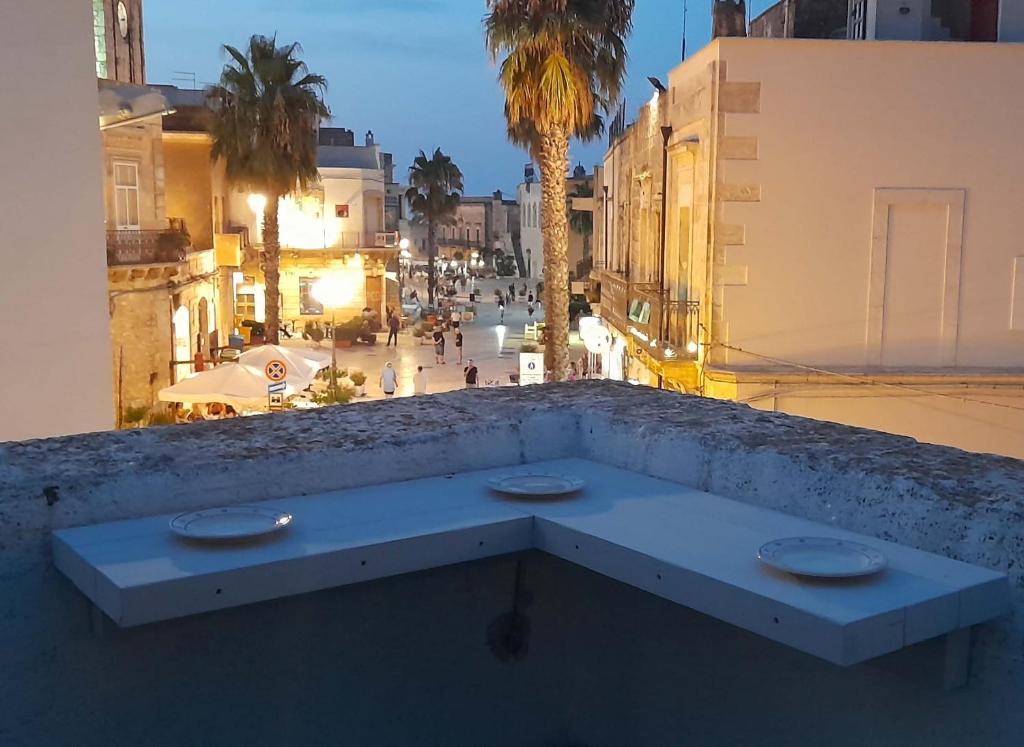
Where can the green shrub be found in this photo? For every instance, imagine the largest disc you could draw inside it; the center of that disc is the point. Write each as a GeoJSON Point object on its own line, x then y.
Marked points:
{"type": "Point", "coordinates": [358, 378]}
{"type": "Point", "coordinates": [161, 418]}
{"type": "Point", "coordinates": [529, 347]}
{"type": "Point", "coordinates": [133, 415]}
{"type": "Point", "coordinates": [343, 397]}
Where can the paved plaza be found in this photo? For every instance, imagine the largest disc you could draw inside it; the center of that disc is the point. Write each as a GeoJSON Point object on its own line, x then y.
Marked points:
{"type": "Point", "coordinates": [480, 343]}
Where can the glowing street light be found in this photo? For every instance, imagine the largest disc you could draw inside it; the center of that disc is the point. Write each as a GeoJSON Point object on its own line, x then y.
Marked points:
{"type": "Point", "coordinates": [403, 244]}
{"type": "Point", "coordinates": [333, 290]}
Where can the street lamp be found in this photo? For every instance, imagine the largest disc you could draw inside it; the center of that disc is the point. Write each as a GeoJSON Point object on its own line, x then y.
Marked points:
{"type": "Point", "coordinates": [333, 290]}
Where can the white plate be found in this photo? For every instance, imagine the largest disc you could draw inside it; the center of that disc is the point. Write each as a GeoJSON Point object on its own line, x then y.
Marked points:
{"type": "Point", "coordinates": [543, 483]}
{"type": "Point", "coordinates": [822, 557]}
{"type": "Point", "coordinates": [230, 523]}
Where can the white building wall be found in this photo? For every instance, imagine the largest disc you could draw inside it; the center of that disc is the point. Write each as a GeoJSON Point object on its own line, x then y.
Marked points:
{"type": "Point", "coordinates": [529, 196]}
{"type": "Point", "coordinates": [1011, 21]}
{"type": "Point", "coordinates": [53, 288]}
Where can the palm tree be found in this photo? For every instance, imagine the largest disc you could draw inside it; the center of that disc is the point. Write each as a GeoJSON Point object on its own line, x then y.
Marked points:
{"type": "Point", "coordinates": [266, 109]}
{"type": "Point", "coordinates": [562, 66]}
{"type": "Point", "coordinates": [434, 194]}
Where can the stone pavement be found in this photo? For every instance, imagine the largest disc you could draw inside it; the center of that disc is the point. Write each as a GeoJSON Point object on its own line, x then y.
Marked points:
{"type": "Point", "coordinates": [480, 344]}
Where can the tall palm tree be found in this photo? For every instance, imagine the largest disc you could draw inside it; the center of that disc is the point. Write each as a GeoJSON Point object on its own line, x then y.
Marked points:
{"type": "Point", "coordinates": [266, 109]}
{"type": "Point", "coordinates": [434, 194]}
{"type": "Point", "coordinates": [562, 66]}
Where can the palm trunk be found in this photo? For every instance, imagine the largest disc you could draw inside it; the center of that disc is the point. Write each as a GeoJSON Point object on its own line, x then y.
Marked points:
{"type": "Point", "coordinates": [554, 162]}
{"type": "Point", "coordinates": [431, 262]}
{"type": "Point", "coordinates": [272, 269]}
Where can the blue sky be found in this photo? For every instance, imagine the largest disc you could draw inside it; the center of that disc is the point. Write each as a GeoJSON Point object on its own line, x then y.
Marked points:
{"type": "Point", "coordinates": [414, 71]}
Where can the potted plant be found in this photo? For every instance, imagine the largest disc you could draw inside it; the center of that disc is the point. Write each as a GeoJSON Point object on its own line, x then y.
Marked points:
{"type": "Point", "coordinates": [347, 333]}
{"type": "Point", "coordinates": [358, 379]}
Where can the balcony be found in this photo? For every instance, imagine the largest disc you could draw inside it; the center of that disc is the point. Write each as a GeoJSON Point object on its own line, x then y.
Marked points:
{"type": "Point", "coordinates": [133, 247]}
{"type": "Point", "coordinates": [667, 330]}
{"type": "Point", "coordinates": [360, 240]}
{"type": "Point", "coordinates": [460, 243]}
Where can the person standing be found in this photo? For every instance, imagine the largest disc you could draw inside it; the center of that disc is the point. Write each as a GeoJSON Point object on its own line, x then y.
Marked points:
{"type": "Point", "coordinates": [501, 310]}
{"type": "Point", "coordinates": [389, 380]}
{"type": "Point", "coordinates": [439, 346]}
{"type": "Point", "coordinates": [393, 326]}
{"type": "Point", "coordinates": [419, 382]}
{"type": "Point", "coordinates": [471, 373]}
{"type": "Point", "coordinates": [458, 344]}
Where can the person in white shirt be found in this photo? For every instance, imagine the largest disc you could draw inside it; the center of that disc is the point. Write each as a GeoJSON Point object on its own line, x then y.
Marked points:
{"type": "Point", "coordinates": [389, 380]}
{"type": "Point", "coordinates": [419, 381]}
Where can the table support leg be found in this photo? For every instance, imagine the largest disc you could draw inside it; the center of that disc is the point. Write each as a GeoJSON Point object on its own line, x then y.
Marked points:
{"type": "Point", "coordinates": [957, 659]}
{"type": "Point", "coordinates": [98, 622]}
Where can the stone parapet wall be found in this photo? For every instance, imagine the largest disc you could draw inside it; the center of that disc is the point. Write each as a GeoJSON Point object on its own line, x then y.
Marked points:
{"type": "Point", "coordinates": [966, 506]}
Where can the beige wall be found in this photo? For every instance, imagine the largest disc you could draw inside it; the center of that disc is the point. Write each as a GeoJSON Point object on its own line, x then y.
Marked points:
{"type": "Point", "coordinates": [189, 185]}
{"type": "Point", "coordinates": [140, 145]}
{"type": "Point", "coordinates": [53, 288]}
{"type": "Point", "coordinates": [880, 222]}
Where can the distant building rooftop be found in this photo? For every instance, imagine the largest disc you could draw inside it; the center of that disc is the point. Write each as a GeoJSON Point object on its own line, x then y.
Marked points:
{"type": "Point", "coordinates": [349, 157]}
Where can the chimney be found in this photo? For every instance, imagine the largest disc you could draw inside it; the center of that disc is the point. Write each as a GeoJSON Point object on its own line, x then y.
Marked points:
{"type": "Point", "coordinates": [728, 18]}
{"type": "Point", "coordinates": [369, 138]}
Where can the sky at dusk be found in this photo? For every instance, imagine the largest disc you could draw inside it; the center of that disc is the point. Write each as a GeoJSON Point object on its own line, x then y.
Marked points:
{"type": "Point", "coordinates": [414, 71]}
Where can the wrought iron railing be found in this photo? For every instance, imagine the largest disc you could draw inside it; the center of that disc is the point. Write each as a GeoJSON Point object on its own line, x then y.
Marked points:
{"type": "Point", "coordinates": [669, 329]}
{"type": "Point", "coordinates": [131, 247]}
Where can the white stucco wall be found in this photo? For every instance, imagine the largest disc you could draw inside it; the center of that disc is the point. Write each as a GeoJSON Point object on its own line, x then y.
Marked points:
{"type": "Point", "coordinates": [839, 121]}
{"type": "Point", "coordinates": [1011, 21]}
{"type": "Point", "coordinates": [53, 288]}
{"type": "Point", "coordinates": [529, 197]}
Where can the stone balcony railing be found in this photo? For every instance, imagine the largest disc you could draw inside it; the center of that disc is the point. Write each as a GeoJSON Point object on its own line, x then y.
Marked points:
{"type": "Point", "coordinates": [336, 662]}
{"type": "Point", "coordinates": [133, 247]}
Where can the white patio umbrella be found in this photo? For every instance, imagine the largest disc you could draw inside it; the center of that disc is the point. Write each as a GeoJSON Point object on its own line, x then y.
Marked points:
{"type": "Point", "coordinates": [236, 384]}
{"type": "Point", "coordinates": [301, 368]}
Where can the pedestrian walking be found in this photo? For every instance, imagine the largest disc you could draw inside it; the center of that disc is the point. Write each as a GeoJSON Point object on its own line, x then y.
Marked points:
{"type": "Point", "coordinates": [529, 310]}
{"type": "Point", "coordinates": [439, 346]}
{"type": "Point", "coordinates": [393, 326]}
{"type": "Point", "coordinates": [573, 374]}
{"type": "Point", "coordinates": [529, 299]}
{"type": "Point", "coordinates": [512, 290]}
{"type": "Point", "coordinates": [389, 380]}
{"type": "Point", "coordinates": [472, 374]}
{"type": "Point", "coordinates": [458, 344]}
{"type": "Point", "coordinates": [419, 382]}
{"type": "Point", "coordinates": [501, 310]}
{"type": "Point", "coordinates": [511, 297]}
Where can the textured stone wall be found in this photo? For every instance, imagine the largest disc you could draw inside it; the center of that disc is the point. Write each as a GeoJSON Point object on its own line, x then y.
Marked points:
{"type": "Point", "coordinates": [406, 660]}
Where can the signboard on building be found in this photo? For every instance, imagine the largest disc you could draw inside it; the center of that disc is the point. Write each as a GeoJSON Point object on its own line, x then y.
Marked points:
{"type": "Point", "coordinates": [531, 368]}
{"type": "Point", "coordinates": [341, 211]}
{"type": "Point", "coordinates": [614, 293]}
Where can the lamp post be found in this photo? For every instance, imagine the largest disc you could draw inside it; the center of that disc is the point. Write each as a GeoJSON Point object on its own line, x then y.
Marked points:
{"type": "Point", "coordinates": [333, 290]}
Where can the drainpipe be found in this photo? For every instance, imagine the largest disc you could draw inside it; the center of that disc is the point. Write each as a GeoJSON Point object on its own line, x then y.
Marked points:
{"type": "Point", "coordinates": [666, 133]}
{"type": "Point", "coordinates": [606, 265]}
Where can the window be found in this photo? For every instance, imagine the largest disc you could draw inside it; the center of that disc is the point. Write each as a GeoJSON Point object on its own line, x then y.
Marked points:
{"type": "Point", "coordinates": [99, 32]}
{"type": "Point", "coordinates": [308, 306]}
{"type": "Point", "coordinates": [245, 303]}
{"type": "Point", "coordinates": [126, 194]}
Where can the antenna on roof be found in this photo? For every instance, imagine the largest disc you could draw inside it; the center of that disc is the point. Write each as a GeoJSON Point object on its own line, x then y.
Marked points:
{"type": "Point", "coordinates": [685, 11]}
{"type": "Point", "coordinates": [184, 76]}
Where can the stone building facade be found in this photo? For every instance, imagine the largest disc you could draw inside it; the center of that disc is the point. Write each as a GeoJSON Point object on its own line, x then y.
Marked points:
{"type": "Point", "coordinates": [816, 260]}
